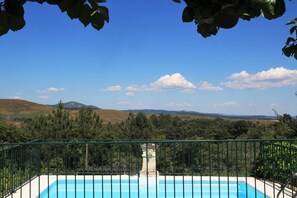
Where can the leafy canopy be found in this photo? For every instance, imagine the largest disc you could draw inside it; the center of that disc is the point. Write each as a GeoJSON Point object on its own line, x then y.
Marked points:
{"type": "Point", "coordinates": [88, 12]}
{"type": "Point", "coordinates": [208, 15]}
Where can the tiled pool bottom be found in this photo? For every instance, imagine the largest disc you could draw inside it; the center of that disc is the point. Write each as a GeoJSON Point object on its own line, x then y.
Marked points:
{"type": "Point", "coordinates": [125, 186]}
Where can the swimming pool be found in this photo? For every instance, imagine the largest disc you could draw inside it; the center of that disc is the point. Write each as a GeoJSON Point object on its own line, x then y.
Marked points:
{"type": "Point", "coordinates": [152, 188]}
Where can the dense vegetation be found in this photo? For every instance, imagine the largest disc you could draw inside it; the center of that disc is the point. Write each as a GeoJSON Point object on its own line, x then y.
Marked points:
{"type": "Point", "coordinates": [271, 160]}
{"type": "Point", "coordinates": [59, 124]}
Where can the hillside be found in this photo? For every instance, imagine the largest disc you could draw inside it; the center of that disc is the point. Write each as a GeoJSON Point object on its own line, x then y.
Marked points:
{"type": "Point", "coordinates": [107, 115]}
{"type": "Point", "coordinates": [193, 114]}
{"type": "Point", "coordinates": [12, 108]}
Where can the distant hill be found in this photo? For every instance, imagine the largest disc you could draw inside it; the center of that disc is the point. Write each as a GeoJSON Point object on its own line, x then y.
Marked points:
{"type": "Point", "coordinates": [12, 108]}
{"type": "Point", "coordinates": [21, 108]}
{"type": "Point", "coordinates": [198, 114]}
{"type": "Point", "coordinates": [72, 105]}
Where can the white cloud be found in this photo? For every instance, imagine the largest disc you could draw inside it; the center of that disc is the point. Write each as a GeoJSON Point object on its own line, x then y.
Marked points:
{"type": "Point", "coordinates": [43, 97]}
{"type": "Point", "coordinates": [53, 89]}
{"type": "Point", "coordinates": [50, 90]}
{"type": "Point", "coordinates": [206, 86]}
{"type": "Point", "coordinates": [134, 88]}
{"type": "Point", "coordinates": [225, 104]}
{"type": "Point", "coordinates": [124, 103]}
{"type": "Point", "coordinates": [130, 94]}
{"type": "Point", "coordinates": [113, 88]}
{"type": "Point", "coordinates": [230, 104]}
{"type": "Point", "coordinates": [173, 105]}
{"type": "Point", "coordinates": [15, 97]}
{"type": "Point", "coordinates": [174, 81]}
{"type": "Point", "coordinates": [274, 77]}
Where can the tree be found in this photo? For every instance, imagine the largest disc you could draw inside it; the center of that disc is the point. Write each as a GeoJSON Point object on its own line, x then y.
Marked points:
{"type": "Point", "coordinates": [285, 127]}
{"type": "Point", "coordinates": [138, 127]}
{"type": "Point", "coordinates": [290, 48]}
{"type": "Point", "coordinates": [239, 128]}
{"type": "Point", "coordinates": [88, 124]}
{"type": "Point", "coordinates": [8, 132]}
{"type": "Point", "coordinates": [208, 15]}
{"type": "Point", "coordinates": [211, 15]}
{"type": "Point", "coordinates": [88, 12]}
{"type": "Point", "coordinates": [55, 125]}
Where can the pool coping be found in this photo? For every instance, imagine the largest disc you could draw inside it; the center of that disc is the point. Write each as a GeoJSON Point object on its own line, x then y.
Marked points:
{"type": "Point", "coordinates": [33, 188]}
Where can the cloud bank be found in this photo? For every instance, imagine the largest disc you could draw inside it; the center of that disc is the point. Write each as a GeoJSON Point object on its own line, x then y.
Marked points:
{"type": "Point", "coordinates": [113, 88]}
{"type": "Point", "coordinates": [206, 86]}
{"type": "Point", "coordinates": [274, 77]}
{"type": "Point", "coordinates": [166, 82]}
{"type": "Point", "coordinates": [50, 90]}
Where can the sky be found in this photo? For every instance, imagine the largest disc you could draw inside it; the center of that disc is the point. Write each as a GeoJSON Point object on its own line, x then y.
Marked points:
{"type": "Point", "coordinates": [147, 58]}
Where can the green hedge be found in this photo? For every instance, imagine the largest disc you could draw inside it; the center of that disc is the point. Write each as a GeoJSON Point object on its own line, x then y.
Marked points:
{"type": "Point", "coordinates": [276, 161]}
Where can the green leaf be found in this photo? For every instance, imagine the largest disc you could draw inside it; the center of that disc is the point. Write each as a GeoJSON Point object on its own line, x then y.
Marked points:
{"type": "Point", "coordinates": [85, 16]}
{"type": "Point", "coordinates": [246, 17]}
{"type": "Point", "coordinates": [292, 22]}
{"type": "Point", "coordinates": [14, 8]}
{"type": "Point", "coordinates": [4, 28]}
{"type": "Point", "coordinates": [289, 40]}
{"type": "Point", "coordinates": [226, 20]}
{"type": "Point", "coordinates": [40, 1]}
{"type": "Point", "coordinates": [97, 21]}
{"type": "Point", "coordinates": [252, 12]}
{"type": "Point", "coordinates": [293, 29]}
{"type": "Point", "coordinates": [272, 9]}
{"type": "Point", "coordinates": [94, 4]}
{"type": "Point", "coordinates": [75, 9]}
{"type": "Point", "coordinates": [207, 30]}
{"type": "Point", "coordinates": [287, 51]}
{"type": "Point", "coordinates": [16, 24]}
{"type": "Point", "coordinates": [188, 14]}
{"type": "Point", "coordinates": [104, 12]}
{"type": "Point", "coordinates": [54, 2]}
{"type": "Point", "coordinates": [65, 5]}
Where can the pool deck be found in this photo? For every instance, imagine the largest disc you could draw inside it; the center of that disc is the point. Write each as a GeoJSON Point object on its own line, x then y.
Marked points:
{"type": "Point", "coordinates": [33, 188]}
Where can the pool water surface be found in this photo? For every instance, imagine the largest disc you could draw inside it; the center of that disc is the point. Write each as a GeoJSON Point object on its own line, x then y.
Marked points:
{"type": "Point", "coordinates": [152, 188]}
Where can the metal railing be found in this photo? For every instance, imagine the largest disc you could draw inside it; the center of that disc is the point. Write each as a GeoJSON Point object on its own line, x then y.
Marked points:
{"type": "Point", "coordinates": [206, 168]}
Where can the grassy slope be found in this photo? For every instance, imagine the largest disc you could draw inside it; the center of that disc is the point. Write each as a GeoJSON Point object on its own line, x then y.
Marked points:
{"type": "Point", "coordinates": [11, 108]}
{"type": "Point", "coordinates": [21, 108]}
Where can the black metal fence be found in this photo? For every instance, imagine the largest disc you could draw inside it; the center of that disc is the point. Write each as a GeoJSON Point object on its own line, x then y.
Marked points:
{"type": "Point", "coordinates": [255, 168]}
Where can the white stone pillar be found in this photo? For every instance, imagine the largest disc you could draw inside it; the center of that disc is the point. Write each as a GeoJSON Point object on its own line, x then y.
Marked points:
{"type": "Point", "coordinates": [148, 160]}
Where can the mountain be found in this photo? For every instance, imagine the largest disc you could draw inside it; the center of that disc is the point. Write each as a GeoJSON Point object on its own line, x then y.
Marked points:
{"type": "Point", "coordinates": [72, 105]}
{"type": "Point", "coordinates": [198, 114]}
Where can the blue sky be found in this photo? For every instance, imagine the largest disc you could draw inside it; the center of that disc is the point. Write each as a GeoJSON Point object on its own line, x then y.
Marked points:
{"type": "Point", "coordinates": [146, 57]}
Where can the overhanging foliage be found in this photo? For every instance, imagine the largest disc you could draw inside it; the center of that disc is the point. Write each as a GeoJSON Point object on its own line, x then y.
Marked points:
{"type": "Point", "coordinates": [88, 12]}
{"type": "Point", "coordinates": [208, 15]}
{"type": "Point", "coordinates": [211, 15]}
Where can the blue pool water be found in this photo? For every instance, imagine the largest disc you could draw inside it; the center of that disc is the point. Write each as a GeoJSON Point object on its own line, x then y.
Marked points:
{"type": "Point", "coordinates": [144, 189]}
